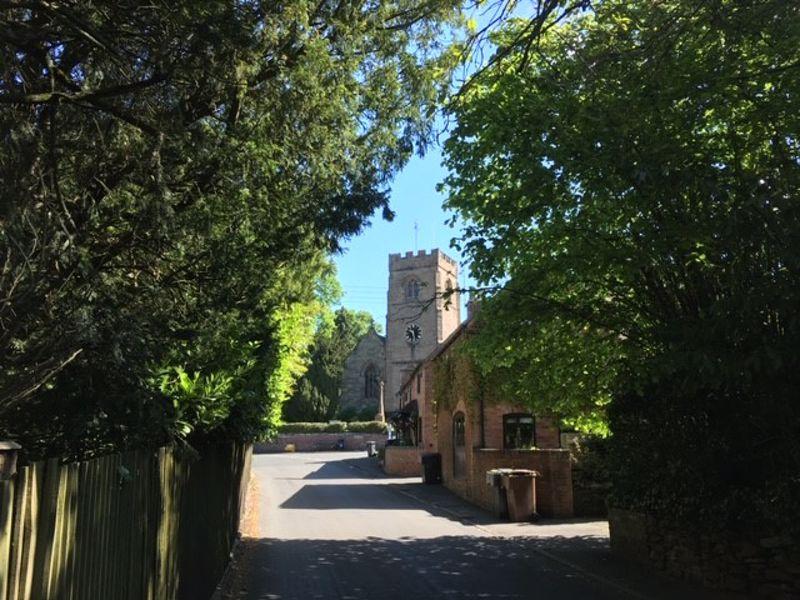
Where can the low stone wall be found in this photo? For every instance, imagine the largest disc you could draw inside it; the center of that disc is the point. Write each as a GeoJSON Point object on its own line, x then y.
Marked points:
{"type": "Point", "coordinates": [402, 461]}
{"type": "Point", "coordinates": [553, 486]}
{"type": "Point", "coordinates": [315, 442]}
{"type": "Point", "coordinates": [768, 567]}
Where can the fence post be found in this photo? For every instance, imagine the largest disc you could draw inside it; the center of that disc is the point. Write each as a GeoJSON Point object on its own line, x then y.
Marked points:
{"type": "Point", "coordinates": [8, 469]}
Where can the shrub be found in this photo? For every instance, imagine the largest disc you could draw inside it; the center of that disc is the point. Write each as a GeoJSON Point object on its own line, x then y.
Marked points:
{"type": "Point", "coordinates": [350, 414]}
{"type": "Point", "coordinates": [334, 427]}
{"type": "Point", "coordinates": [367, 427]}
{"type": "Point", "coordinates": [365, 414]}
{"type": "Point", "coordinates": [347, 414]}
{"type": "Point", "coordinates": [700, 458]}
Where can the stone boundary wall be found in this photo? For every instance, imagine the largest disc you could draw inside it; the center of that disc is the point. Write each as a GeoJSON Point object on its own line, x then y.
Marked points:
{"type": "Point", "coordinates": [553, 486]}
{"type": "Point", "coordinates": [402, 461]}
{"type": "Point", "coordinates": [320, 442]}
{"type": "Point", "coordinates": [761, 568]}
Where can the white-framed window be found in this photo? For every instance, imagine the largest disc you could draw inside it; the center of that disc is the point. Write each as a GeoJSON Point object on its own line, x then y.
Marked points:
{"type": "Point", "coordinates": [519, 431]}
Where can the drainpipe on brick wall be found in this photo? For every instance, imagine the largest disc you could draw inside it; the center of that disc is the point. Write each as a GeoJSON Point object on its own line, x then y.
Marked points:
{"type": "Point", "coordinates": [480, 401]}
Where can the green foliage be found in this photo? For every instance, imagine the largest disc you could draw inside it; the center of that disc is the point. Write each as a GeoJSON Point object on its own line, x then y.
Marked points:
{"type": "Point", "coordinates": [333, 427]}
{"type": "Point", "coordinates": [313, 427]}
{"type": "Point", "coordinates": [366, 427]}
{"type": "Point", "coordinates": [317, 394]}
{"type": "Point", "coordinates": [699, 460]}
{"type": "Point", "coordinates": [295, 330]}
{"type": "Point", "coordinates": [201, 402]}
{"type": "Point", "coordinates": [352, 414]}
{"type": "Point", "coordinates": [174, 176]}
{"type": "Point", "coordinates": [630, 193]}
{"type": "Point", "coordinates": [589, 454]}
{"type": "Point", "coordinates": [444, 374]}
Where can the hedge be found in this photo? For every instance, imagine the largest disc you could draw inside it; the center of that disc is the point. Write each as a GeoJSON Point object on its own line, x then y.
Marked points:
{"type": "Point", "coordinates": [334, 427]}
{"type": "Point", "coordinates": [367, 427]}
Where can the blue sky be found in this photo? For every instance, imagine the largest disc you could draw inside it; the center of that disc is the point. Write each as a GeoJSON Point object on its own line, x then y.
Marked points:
{"type": "Point", "coordinates": [364, 267]}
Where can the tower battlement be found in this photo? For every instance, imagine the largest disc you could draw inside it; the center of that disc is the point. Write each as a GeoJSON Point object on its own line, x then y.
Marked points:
{"type": "Point", "coordinates": [418, 259]}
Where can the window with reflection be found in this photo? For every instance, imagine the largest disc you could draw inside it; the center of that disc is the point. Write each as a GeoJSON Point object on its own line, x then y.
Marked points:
{"type": "Point", "coordinates": [459, 430]}
{"type": "Point", "coordinates": [519, 431]}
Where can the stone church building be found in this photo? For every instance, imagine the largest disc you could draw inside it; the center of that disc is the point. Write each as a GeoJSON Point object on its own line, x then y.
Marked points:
{"type": "Point", "coordinates": [418, 319]}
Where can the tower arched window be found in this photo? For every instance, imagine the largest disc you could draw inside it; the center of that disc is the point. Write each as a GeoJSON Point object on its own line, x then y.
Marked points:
{"type": "Point", "coordinates": [371, 382]}
{"type": "Point", "coordinates": [412, 289]}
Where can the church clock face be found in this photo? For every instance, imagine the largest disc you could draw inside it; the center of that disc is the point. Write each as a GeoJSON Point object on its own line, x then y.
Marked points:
{"type": "Point", "coordinates": [413, 334]}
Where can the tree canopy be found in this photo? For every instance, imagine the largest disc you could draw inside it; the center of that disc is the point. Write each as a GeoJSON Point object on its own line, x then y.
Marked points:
{"type": "Point", "coordinates": [629, 182]}
{"type": "Point", "coordinates": [174, 173]}
{"type": "Point", "coordinates": [316, 396]}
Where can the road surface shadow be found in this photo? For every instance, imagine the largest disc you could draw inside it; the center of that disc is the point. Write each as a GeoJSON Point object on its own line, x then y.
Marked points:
{"type": "Point", "coordinates": [457, 567]}
{"type": "Point", "coordinates": [346, 496]}
{"type": "Point", "coordinates": [434, 499]}
{"type": "Point", "coordinates": [383, 496]}
{"type": "Point", "coordinates": [347, 468]}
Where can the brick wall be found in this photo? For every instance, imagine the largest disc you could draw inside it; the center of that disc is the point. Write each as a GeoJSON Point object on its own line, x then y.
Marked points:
{"type": "Point", "coordinates": [313, 442]}
{"type": "Point", "coordinates": [493, 424]}
{"type": "Point", "coordinates": [402, 461]}
{"type": "Point", "coordinates": [430, 442]}
{"type": "Point", "coordinates": [553, 486]}
{"type": "Point", "coordinates": [548, 435]}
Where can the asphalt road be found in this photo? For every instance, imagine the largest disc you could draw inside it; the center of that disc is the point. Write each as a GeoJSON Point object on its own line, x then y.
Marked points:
{"type": "Point", "coordinates": [330, 526]}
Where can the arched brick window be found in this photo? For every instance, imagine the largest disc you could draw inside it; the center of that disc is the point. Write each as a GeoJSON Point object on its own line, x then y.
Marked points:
{"type": "Point", "coordinates": [371, 382]}
{"type": "Point", "coordinates": [459, 443]}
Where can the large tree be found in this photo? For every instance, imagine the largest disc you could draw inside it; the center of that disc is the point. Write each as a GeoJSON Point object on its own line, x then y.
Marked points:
{"type": "Point", "coordinates": [173, 174]}
{"type": "Point", "coordinates": [316, 397]}
{"type": "Point", "coordinates": [629, 182]}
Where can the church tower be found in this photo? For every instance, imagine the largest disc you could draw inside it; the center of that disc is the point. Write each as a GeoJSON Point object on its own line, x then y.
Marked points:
{"type": "Point", "coordinates": [417, 318]}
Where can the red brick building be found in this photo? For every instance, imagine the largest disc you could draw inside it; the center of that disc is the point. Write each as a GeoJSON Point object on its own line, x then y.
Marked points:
{"type": "Point", "coordinates": [474, 430]}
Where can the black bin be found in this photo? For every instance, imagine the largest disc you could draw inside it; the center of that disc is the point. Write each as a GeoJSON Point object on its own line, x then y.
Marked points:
{"type": "Point", "coordinates": [432, 468]}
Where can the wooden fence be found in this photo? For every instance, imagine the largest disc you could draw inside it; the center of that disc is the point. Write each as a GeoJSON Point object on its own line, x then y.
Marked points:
{"type": "Point", "coordinates": [142, 525]}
